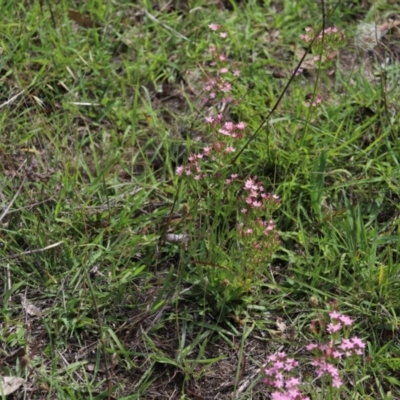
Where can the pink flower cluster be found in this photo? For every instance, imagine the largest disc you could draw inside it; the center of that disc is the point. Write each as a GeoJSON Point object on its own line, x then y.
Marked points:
{"type": "Point", "coordinates": [327, 355]}
{"type": "Point", "coordinates": [276, 371]}
{"type": "Point", "coordinates": [329, 34]}
{"type": "Point", "coordinates": [217, 150]}
{"type": "Point", "coordinates": [315, 103]}
{"type": "Point", "coordinates": [226, 133]}
{"type": "Point", "coordinates": [220, 86]}
{"type": "Point", "coordinates": [326, 358]}
{"type": "Point", "coordinates": [259, 236]}
{"type": "Point", "coordinates": [256, 197]}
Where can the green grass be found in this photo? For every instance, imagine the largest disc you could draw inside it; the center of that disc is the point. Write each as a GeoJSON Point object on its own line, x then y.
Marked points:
{"type": "Point", "coordinates": [96, 115]}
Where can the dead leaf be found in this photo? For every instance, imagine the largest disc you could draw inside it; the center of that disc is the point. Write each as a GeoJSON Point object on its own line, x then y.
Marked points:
{"type": "Point", "coordinates": [193, 394]}
{"type": "Point", "coordinates": [386, 26]}
{"type": "Point", "coordinates": [81, 19]}
{"type": "Point", "coordinates": [311, 61]}
{"type": "Point", "coordinates": [31, 309]}
{"type": "Point", "coordinates": [280, 324]}
{"type": "Point", "coordinates": [9, 384]}
{"type": "Point", "coordinates": [176, 238]}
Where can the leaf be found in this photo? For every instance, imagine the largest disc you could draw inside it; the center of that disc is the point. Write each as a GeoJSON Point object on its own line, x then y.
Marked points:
{"type": "Point", "coordinates": [280, 324]}
{"type": "Point", "coordinates": [311, 62]}
{"type": "Point", "coordinates": [81, 19]}
{"type": "Point", "coordinates": [31, 309]}
{"type": "Point", "coordinates": [9, 384]}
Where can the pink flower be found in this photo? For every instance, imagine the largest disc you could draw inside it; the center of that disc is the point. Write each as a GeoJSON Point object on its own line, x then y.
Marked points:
{"type": "Point", "coordinates": [236, 72]}
{"type": "Point", "coordinates": [290, 364]}
{"type": "Point", "coordinates": [311, 346]}
{"type": "Point", "coordinates": [299, 71]}
{"type": "Point", "coordinates": [346, 320]}
{"type": "Point", "coordinates": [214, 27]}
{"type": "Point", "coordinates": [358, 342]}
{"type": "Point", "coordinates": [227, 87]}
{"type": "Point", "coordinates": [229, 126]}
{"type": "Point", "coordinates": [334, 315]}
{"type": "Point", "coordinates": [241, 125]}
{"type": "Point", "coordinates": [248, 184]}
{"type": "Point", "coordinates": [224, 70]}
{"type": "Point", "coordinates": [223, 35]}
{"type": "Point", "coordinates": [346, 344]}
{"type": "Point", "coordinates": [179, 170]}
{"type": "Point", "coordinates": [230, 149]}
{"type": "Point", "coordinates": [333, 328]}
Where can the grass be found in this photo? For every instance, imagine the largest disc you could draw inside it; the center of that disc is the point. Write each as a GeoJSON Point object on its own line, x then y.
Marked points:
{"type": "Point", "coordinates": [100, 103]}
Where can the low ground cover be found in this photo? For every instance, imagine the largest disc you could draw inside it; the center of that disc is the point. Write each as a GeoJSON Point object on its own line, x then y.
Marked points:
{"type": "Point", "coordinates": [199, 200]}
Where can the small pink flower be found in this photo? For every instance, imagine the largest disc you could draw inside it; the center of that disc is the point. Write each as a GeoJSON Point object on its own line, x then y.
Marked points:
{"type": "Point", "coordinates": [241, 125]}
{"type": "Point", "coordinates": [346, 320]}
{"type": "Point", "coordinates": [230, 149]}
{"type": "Point", "coordinates": [214, 27]}
{"type": "Point", "coordinates": [179, 170]}
{"type": "Point", "coordinates": [229, 126]}
{"type": "Point", "coordinates": [224, 70]}
{"type": "Point", "coordinates": [358, 342]}
{"type": "Point", "coordinates": [224, 132]}
{"type": "Point", "coordinates": [268, 229]}
{"type": "Point", "coordinates": [334, 315]}
{"type": "Point", "coordinates": [346, 344]}
{"type": "Point", "coordinates": [227, 87]}
{"type": "Point", "coordinates": [223, 35]}
{"type": "Point", "coordinates": [333, 328]}
{"type": "Point", "coordinates": [299, 71]}
{"type": "Point", "coordinates": [192, 157]}
{"type": "Point", "coordinates": [236, 72]}
{"type": "Point", "coordinates": [248, 184]}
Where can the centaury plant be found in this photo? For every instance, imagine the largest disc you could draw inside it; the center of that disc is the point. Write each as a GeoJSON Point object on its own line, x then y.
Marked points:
{"type": "Point", "coordinates": [244, 247]}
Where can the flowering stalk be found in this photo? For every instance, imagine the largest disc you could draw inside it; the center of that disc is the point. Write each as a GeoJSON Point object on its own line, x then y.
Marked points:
{"type": "Point", "coordinates": [255, 233]}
